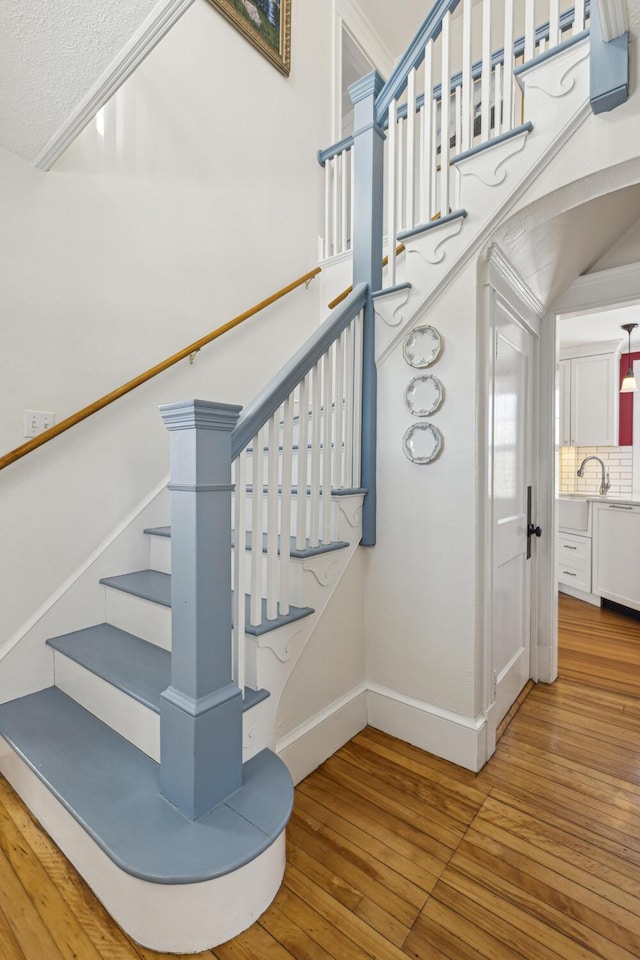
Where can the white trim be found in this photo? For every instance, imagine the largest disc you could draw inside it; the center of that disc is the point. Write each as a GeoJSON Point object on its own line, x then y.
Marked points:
{"type": "Point", "coordinates": [359, 26]}
{"type": "Point", "coordinates": [170, 918]}
{"type": "Point", "coordinates": [59, 592]}
{"type": "Point", "coordinates": [504, 278]}
{"type": "Point", "coordinates": [152, 30]}
{"type": "Point", "coordinates": [441, 732]}
{"type": "Point", "coordinates": [311, 743]}
{"type": "Point", "coordinates": [605, 288]}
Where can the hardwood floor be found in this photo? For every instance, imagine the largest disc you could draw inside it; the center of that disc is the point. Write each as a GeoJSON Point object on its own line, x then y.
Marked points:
{"type": "Point", "coordinates": [393, 853]}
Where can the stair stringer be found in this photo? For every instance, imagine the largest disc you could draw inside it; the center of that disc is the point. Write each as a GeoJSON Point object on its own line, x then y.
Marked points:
{"type": "Point", "coordinates": [489, 184]}
{"type": "Point", "coordinates": [273, 657]}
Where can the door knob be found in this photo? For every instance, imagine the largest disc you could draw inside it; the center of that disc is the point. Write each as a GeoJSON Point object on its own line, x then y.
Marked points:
{"type": "Point", "coordinates": [532, 530]}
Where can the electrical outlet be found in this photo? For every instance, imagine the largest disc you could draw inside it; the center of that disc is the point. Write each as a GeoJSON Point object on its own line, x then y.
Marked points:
{"type": "Point", "coordinates": [37, 421]}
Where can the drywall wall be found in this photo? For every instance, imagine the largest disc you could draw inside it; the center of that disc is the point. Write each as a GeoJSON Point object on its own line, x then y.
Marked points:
{"type": "Point", "coordinates": [420, 592]}
{"type": "Point", "coordinates": [201, 198]}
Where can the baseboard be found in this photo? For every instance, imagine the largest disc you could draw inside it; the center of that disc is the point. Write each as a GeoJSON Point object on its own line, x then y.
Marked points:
{"type": "Point", "coordinates": [314, 741]}
{"type": "Point", "coordinates": [462, 740]}
{"type": "Point", "coordinates": [580, 594]}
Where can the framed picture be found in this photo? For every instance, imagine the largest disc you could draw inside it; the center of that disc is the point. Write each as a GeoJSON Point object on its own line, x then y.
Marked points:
{"type": "Point", "coordinates": [265, 23]}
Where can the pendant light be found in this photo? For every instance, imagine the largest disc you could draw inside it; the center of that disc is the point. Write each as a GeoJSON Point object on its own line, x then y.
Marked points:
{"type": "Point", "coordinates": [629, 384]}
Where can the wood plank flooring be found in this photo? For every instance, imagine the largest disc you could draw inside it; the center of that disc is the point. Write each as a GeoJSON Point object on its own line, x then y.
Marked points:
{"type": "Point", "coordinates": [393, 853]}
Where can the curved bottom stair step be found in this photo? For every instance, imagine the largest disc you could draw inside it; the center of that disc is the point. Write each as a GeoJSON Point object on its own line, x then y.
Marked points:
{"type": "Point", "coordinates": [112, 790]}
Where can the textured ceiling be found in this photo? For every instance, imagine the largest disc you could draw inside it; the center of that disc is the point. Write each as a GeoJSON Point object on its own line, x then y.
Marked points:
{"type": "Point", "coordinates": [52, 52]}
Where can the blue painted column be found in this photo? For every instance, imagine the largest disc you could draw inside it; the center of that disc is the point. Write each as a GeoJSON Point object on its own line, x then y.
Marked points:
{"type": "Point", "coordinates": [609, 66]}
{"type": "Point", "coordinates": [201, 712]}
{"type": "Point", "coordinates": [367, 268]}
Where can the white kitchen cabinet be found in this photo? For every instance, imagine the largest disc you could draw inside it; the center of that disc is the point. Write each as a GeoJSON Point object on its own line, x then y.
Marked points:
{"type": "Point", "coordinates": [616, 552]}
{"type": "Point", "coordinates": [589, 399]}
{"type": "Point", "coordinates": [574, 562]}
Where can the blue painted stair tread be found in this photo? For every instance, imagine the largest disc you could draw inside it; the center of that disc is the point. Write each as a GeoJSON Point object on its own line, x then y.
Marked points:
{"type": "Point", "coordinates": [155, 586]}
{"type": "Point", "coordinates": [299, 554]}
{"type": "Point", "coordinates": [138, 668]}
{"type": "Point", "coordinates": [112, 790]}
{"type": "Point", "coordinates": [129, 663]}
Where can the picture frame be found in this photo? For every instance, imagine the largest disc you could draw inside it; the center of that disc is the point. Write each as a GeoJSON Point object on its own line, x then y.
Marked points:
{"type": "Point", "coordinates": [264, 23]}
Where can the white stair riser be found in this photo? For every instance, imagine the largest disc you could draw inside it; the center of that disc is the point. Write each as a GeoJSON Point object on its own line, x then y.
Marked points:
{"type": "Point", "coordinates": [295, 508]}
{"type": "Point", "coordinates": [131, 719]}
{"type": "Point", "coordinates": [142, 618]}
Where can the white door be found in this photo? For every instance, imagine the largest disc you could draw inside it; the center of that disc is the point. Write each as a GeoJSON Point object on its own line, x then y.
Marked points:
{"type": "Point", "coordinates": [510, 619]}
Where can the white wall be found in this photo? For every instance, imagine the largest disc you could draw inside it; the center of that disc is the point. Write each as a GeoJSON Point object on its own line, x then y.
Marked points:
{"type": "Point", "coordinates": [202, 200]}
{"type": "Point", "coordinates": [420, 587]}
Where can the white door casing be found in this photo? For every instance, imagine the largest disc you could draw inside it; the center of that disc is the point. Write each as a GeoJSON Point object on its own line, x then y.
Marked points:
{"type": "Point", "coordinates": [512, 433]}
{"type": "Point", "coordinates": [508, 400]}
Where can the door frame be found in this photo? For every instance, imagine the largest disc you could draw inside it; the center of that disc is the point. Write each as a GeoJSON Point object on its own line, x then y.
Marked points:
{"type": "Point", "coordinates": [602, 290]}
{"type": "Point", "coordinates": [499, 282]}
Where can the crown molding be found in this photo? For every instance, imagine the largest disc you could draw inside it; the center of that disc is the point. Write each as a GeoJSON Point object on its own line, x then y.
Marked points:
{"type": "Point", "coordinates": [501, 268]}
{"type": "Point", "coordinates": [149, 34]}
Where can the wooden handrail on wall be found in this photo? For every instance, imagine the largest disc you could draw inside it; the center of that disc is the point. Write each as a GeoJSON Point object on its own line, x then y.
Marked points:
{"type": "Point", "coordinates": [345, 293]}
{"type": "Point", "coordinates": [88, 411]}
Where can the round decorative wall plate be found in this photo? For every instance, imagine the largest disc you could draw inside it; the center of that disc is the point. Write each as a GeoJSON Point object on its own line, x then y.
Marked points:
{"type": "Point", "coordinates": [424, 395]}
{"type": "Point", "coordinates": [422, 443]}
{"type": "Point", "coordinates": [422, 346]}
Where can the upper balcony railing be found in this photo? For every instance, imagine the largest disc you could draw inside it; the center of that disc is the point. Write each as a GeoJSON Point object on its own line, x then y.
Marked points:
{"type": "Point", "coordinates": [471, 50]}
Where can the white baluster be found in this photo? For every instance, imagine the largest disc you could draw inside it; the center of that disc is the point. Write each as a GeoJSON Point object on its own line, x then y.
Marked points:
{"type": "Point", "coordinates": [445, 114]}
{"type": "Point", "coordinates": [338, 439]}
{"type": "Point", "coordinates": [273, 461]}
{"type": "Point", "coordinates": [348, 406]}
{"type": "Point", "coordinates": [352, 195]}
{"type": "Point", "coordinates": [529, 30]}
{"type": "Point", "coordinates": [316, 433]}
{"type": "Point", "coordinates": [335, 215]}
{"type": "Point", "coordinates": [285, 504]}
{"type": "Point", "coordinates": [240, 526]}
{"type": "Point", "coordinates": [357, 400]}
{"type": "Point", "coordinates": [485, 111]}
{"type": "Point", "coordinates": [554, 23]}
{"type": "Point", "coordinates": [457, 100]}
{"type": "Point", "coordinates": [327, 209]}
{"type": "Point", "coordinates": [578, 17]}
{"type": "Point", "coordinates": [344, 201]}
{"type": "Point", "coordinates": [401, 173]}
{"type": "Point", "coordinates": [507, 100]}
{"type": "Point", "coordinates": [434, 158]}
{"type": "Point", "coordinates": [391, 193]}
{"type": "Point", "coordinates": [303, 453]}
{"type": "Point", "coordinates": [497, 98]}
{"type": "Point", "coordinates": [411, 150]}
{"type": "Point", "coordinates": [257, 468]}
{"type": "Point", "coordinates": [328, 394]}
{"type": "Point", "coordinates": [426, 161]}
{"type": "Point", "coordinates": [467, 78]}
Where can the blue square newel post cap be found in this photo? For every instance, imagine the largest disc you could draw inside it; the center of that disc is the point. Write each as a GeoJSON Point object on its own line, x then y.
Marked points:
{"type": "Point", "coordinates": [201, 711]}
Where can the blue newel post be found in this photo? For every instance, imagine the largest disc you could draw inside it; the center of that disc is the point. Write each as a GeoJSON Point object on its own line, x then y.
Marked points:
{"type": "Point", "coordinates": [201, 712]}
{"type": "Point", "coordinates": [367, 268]}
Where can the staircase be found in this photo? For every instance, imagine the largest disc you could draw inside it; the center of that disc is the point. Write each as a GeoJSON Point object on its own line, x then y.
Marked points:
{"type": "Point", "coordinates": [157, 740]}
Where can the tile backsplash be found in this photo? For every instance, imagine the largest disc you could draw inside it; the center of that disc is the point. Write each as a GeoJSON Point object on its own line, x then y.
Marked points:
{"type": "Point", "coordinates": [618, 460]}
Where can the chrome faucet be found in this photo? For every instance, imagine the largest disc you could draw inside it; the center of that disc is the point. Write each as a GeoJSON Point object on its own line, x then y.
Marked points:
{"type": "Point", "coordinates": [604, 486]}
